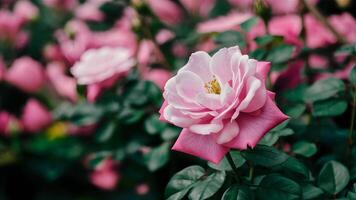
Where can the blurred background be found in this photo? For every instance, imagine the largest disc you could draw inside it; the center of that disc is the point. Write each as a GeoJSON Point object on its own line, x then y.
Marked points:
{"type": "Point", "coordinates": [104, 140]}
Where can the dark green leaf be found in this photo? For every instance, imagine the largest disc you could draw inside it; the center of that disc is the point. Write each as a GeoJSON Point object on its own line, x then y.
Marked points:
{"type": "Point", "coordinates": [230, 38]}
{"type": "Point", "coordinates": [207, 187]}
{"type": "Point", "coordinates": [295, 111]}
{"type": "Point", "coordinates": [183, 181]}
{"type": "Point", "coordinates": [265, 156]}
{"type": "Point", "coordinates": [304, 148]}
{"type": "Point", "coordinates": [347, 49]}
{"type": "Point", "coordinates": [323, 89]}
{"type": "Point", "coordinates": [224, 164]}
{"type": "Point", "coordinates": [352, 76]}
{"type": "Point", "coordinates": [237, 193]}
{"type": "Point", "coordinates": [330, 107]}
{"type": "Point", "coordinates": [157, 157]}
{"type": "Point", "coordinates": [153, 125]}
{"type": "Point", "coordinates": [333, 177]}
{"type": "Point", "coordinates": [281, 53]}
{"type": "Point", "coordinates": [105, 132]}
{"type": "Point", "coordinates": [311, 192]}
{"type": "Point", "coordinates": [294, 165]}
{"type": "Point", "coordinates": [277, 187]}
{"type": "Point", "coordinates": [248, 24]}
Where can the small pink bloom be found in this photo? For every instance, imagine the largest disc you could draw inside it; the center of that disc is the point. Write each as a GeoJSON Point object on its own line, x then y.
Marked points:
{"type": "Point", "coordinates": [35, 116]}
{"type": "Point", "coordinates": [224, 23]}
{"type": "Point", "coordinates": [142, 189]}
{"type": "Point", "coordinates": [105, 176]}
{"type": "Point", "coordinates": [10, 25]}
{"type": "Point", "coordinates": [318, 62]}
{"type": "Point", "coordinates": [179, 50]}
{"type": "Point", "coordinates": [166, 10]}
{"type": "Point", "coordinates": [342, 24]}
{"type": "Point", "coordinates": [198, 7]}
{"type": "Point", "coordinates": [97, 65]}
{"type": "Point", "coordinates": [289, 26]}
{"type": "Point", "coordinates": [90, 11]}
{"type": "Point", "coordinates": [158, 76]}
{"type": "Point", "coordinates": [8, 124]}
{"type": "Point", "coordinates": [283, 7]}
{"type": "Point", "coordinates": [26, 74]}
{"type": "Point", "coordinates": [221, 102]}
{"type": "Point", "coordinates": [74, 40]}
{"type": "Point", "coordinates": [64, 85]}
{"type": "Point", "coordinates": [145, 55]}
{"type": "Point", "coordinates": [52, 52]}
{"type": "Point", "coordinates": [26, 10]}
{"type": "Point", "coordinates": [164, 35]}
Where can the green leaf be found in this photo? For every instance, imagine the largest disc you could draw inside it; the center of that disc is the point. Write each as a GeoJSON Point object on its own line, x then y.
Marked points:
{"type": "Point", "coordinates": [157, 157]}
{"type": "Point", "coordinates": [311, 192]}
{"type": "Point", "coordinates": [304, 148]}
{"type": "Point", "coordinates": [296, 110]}
{"type": "Point", "coordinates": [265, 156]}
{"type": "Point", "coordinates": [333, 177]}
{"type": "Point", "coordinates": [347, 49]}
{"type": "Point", "coordinates": [153, 125]}
{"type": "Point", "coordinates": [272, 136]}
{"type": "Point", "coordinates": [352, 76]}
{"type": "Point", "coordinates": [258, 54]}
{"type": "Point", "coordinates": [330, 107]}
{"type": "Point", "coordinates": [183, 181]}
{"type": "Point", "coordinates": [170, 133]}
{"type": "Point", "coordinates": [276, 187]}
{"type": "Point", "coordinates": [207, 187]}
{"type": "Point", "coordinates": [236, 192]}
{"type": "Point", "coordinates": [105, 132]}
{"type": "Point", "coordinates": [224, 164]}
{"type": "Point", "coordinates": [248, 24]}
{"type": "Point", "coordinates": [281, 53]}
{"type": "Point", "coordinates": [294, 165]}
{"type": "Point", "coordinates": [230, 38]}
{"type": "Point", "coordinates": [323, 89]}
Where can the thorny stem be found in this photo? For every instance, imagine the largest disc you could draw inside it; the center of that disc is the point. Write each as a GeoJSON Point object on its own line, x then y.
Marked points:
{"type": "Point", "coordinates": [251, 170]}
{"type": "Point", "coordinates": [233, 167]}
{"type": "Point", "coordinates": [323, 20]}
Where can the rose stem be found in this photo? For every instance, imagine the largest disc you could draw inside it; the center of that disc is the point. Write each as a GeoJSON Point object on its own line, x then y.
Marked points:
{"type": "Point", "coordinates": [324, 21]}
{"type": "Point", "coordinates": [233, 166]}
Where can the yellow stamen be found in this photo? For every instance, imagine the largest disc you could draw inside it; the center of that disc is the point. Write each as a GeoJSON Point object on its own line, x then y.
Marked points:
{"type": "Point", "coordinates": [213, 87]}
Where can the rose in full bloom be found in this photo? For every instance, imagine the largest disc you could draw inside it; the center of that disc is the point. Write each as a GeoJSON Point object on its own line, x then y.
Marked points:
{"type": "Point", "coordinates": [97, 65]}
{"type": "Point", "coordinates": [221, 102]}
{"type": "Point", "coordinates": [35, 116]}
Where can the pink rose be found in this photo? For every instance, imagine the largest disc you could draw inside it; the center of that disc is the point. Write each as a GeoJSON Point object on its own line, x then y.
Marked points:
{"type": "Point", "coordinates": [167, 11]}
{"type": "Point", "coordinates": [52, 52]}
{"type": "Point", "coordinates": [198, 7]}
{"type": "Point", "coordinates": [97, 65]}
{"type": "Point", "coordinates": [342, 24]}
{"type": "Point", "coordinates": [164, 35]}
{"type": "Point", "coordinates": [8, 124]}
{"type": "Point", "coordinates": [26, 74]}
{"type": "Point", "coordinates": [35, 116]}
{"type": "Point", "coordinates": [158, 76]}
{"type": "Point", "coordinates": [289, 26]}
{"type": "Point", "coordinates": [221, 102]}
{"type": "Point", "coordinates": [283, 7]}
{"type": "Point", "coordinates": [105, 176]}
{"type": "Point", "coordinates": [26, 10]}
{"type": "Point", "coordinates": [90, 11]}
{"type": "Point", "coordinates": [10, 25]}
{"type": "Point", "coordinates": [74, 40]}
{"type": "Point", "coordinates": [64, 85]}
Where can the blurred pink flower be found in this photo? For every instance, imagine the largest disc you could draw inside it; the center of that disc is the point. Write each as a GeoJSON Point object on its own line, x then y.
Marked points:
{"type": "Point", "coordinates": [104, 176]}
{"type": "Point", "coordinates": [26, 74]}
{"type": "Point", "coordinates": [164, 35]}
{"type": "Point", "coordinates": [35, 116]}
{"type": "Point", "coordinates": [145, 55]}
{"type": "Point", "coordinates": [26, 10]}
{"type": "Point", "coordinates": [288, 78]}
{"type": "Point", "coordinates": [288, 26]}
{"type": "Point", "coordinates": [8, 124]}
{"type": "Point", "coordinates": [198, 7]}
{"type": "Point", "coordinates": [221, 102]}
{"type": "Point", "coordinates": [158, 76]}
{"type": "Point", "coordinates": [10, 25]}
{"type": "Point", "coordinates": [74, 40]}
{"type": "Point", "coordinates": [64, 85]}
{"type": "Point", "coordinates": [52, 52]}
{"type": "Point", "coordinates": [97, 65]}
{"type": "Point", "coordinates": [283, 7]}
{"type": "Point", "coordinates": [231, 21]}
{"type": "Point", "coordinates": [2, 68]}
{"type": "Point", "coordinates": [166, 10]}
{"type": "Point", "coordinates": [90, 11]}
{"type": "Point", "coordinates": [142, 189]}
{"type": "Point", "coordinates": [179, 50]}
{"type": "Point", "coordinates": [318, 61]}
{"type": "Point", "coordinates": [61, 4]}
{"type": "Point", "coordinates": [343, 24]}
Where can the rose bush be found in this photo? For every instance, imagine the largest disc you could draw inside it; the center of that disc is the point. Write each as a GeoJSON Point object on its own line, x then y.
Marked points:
{"type": "Point", "coordinates": [177, 99]}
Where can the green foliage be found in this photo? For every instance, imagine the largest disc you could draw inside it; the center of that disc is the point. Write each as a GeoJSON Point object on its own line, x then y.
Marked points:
{"type": "Point", "coordinates": [333, 177]}
{"type": "Point", "coordinates": [324, 89]}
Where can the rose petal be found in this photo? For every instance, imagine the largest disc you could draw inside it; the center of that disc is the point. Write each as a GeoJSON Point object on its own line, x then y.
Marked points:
{"type": "Point", "coordinates": [253, 128]}
{"type": "Point", "coordinates": [229, 132]}
{"type": "Point", "coordinates": [206, 129]}
{"type": "Point", "coordinates": [189, 85]}
{"type": "Point", "coordinates": [203, 146]}
{"type": "Point", "coordinates": [199, 63]}
{"type": "Point", "coordinates": [263, 69]}
{"type": "Point", "coordinates": [177, 118]}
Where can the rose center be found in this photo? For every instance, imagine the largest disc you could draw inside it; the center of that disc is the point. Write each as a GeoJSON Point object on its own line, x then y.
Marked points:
{"type": "Point", "coordinates": [213, 87]}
